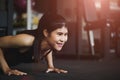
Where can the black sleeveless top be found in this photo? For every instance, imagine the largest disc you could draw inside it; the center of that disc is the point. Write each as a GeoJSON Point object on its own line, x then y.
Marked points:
{"type": "Point", "coordinates": [13, 55]}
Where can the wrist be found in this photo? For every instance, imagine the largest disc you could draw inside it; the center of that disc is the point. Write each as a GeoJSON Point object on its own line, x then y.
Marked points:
{"type": "Point", "coordinates": [50, 66]}
{"type": "Point", "coordinates": [6, 70]}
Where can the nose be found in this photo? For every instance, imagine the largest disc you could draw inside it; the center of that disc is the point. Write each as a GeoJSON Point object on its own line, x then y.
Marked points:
{"type": "Point", "coordinates": [63, 38]}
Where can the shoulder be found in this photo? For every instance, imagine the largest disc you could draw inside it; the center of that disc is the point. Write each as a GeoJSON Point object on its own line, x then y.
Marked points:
{"type": "Point", "coordinates": [23, 35]}
{"type": "Point", "coordinates": [17, 40]}
{"type": "Point", "coordinates": [26, 39]}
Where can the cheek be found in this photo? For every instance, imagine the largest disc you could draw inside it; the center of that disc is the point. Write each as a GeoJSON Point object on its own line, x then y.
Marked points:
{"type": "Point", "coordinates": [52, 40]}
{"type": "Point", "coordinates": [55, 37]}
{"type": "Point", "coordinates": [66, 38]}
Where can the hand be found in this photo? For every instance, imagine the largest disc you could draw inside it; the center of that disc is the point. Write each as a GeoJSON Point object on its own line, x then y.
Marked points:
{"type": "Point", "coordinates": [56, 70]}
{"type": "Point", "coordinates": [15, 72]}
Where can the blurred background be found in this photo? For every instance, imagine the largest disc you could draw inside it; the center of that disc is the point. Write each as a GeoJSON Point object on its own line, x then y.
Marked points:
{"type": "Point", "coordinates": [93, 24]}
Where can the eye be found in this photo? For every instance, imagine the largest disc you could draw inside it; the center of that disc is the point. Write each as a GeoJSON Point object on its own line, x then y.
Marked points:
{"type": "Point", "coordinates": [59, 33]}
{"type": "Point", "coordinates": [66, 34]}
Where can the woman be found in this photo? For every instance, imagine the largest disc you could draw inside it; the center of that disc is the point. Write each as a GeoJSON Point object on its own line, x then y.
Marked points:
{"type": "Point", "coordinates": [34, 45]}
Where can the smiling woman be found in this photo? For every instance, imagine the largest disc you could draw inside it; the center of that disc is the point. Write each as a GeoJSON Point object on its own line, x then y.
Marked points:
{"type": "Point", "coordinates": [58, 38]}
{"type": "Point", "coordinates": [34, 45]}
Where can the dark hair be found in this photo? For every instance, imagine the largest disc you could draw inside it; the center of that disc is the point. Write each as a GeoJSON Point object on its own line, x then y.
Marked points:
{"type": "Point", "coordinates": [51, 22]}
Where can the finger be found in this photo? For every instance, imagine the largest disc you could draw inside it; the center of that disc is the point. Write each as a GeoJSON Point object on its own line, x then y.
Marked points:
{"type": "Point", "coordinates": [23, 73]}
{"type": "Point", "coordinates": [16, 72]}
{"type": "Point", "coordinates": [57, 70]}
{"type": "Point", "coordinates": [49, 70]}
{"type": "Point", "coordinates": [63, 71]}
{"type": "Point", "coordinates": [9, 73]}
{"type": "Point", "coordinates": [20, 72]}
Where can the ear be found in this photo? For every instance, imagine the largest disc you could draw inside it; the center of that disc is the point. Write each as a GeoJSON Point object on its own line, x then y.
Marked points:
{"type": "Point", "coordinates": [45, 32]}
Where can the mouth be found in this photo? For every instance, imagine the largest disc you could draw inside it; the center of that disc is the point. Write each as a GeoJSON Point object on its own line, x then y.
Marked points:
{"type": "Point", "coordinates": [60, 45]}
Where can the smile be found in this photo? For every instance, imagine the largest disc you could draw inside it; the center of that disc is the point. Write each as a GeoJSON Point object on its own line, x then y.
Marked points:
{"type": "Point", "coordinates": [60, 44]}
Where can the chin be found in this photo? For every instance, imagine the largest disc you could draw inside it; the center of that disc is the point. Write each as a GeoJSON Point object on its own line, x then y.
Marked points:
{"type": "Point", "coordinates": [59, 49]}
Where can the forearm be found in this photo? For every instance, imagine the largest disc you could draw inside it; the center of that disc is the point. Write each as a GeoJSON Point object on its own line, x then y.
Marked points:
{"type": "Point", "coordinates": [3, 62]}
{"type": "Point", "coordinates": [51, 67]}
{"type": "Point", "coordinates": [21, 40]}
{"type": "Point", "coordinates": [50, 60]}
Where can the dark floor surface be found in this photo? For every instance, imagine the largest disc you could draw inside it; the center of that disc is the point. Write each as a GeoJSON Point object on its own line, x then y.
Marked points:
{"type": "Point", "coordinates": [107, 68]}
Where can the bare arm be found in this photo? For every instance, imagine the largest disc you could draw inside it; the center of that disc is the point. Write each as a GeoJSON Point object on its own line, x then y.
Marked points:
{"type": "Point", "coordinates": [3, 62]}
{"type": "Point", "coordinates": [50, 60]}
{"type": "Point", "coordinates": [6, 69]}
{"type": "Point", "coordinates": [20, 40]}
{"type": "Point", "coordinates": [51, 67]}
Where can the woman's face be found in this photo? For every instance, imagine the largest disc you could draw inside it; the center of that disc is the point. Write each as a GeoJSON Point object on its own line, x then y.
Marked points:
{"type": "Point", "coordinates": [57, 38]}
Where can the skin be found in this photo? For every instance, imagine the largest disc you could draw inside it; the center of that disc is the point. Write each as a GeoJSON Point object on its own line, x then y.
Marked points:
{"type": "Point", "coordinates": [56, 39]}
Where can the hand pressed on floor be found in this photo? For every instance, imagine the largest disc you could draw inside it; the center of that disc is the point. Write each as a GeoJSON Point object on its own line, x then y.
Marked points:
{"type": "Point", "coordinates": [15, 72]}
{"type": "Point", "coordinates": [56, 70]}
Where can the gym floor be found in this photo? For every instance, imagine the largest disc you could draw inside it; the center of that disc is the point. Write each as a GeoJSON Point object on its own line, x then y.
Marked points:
{"type": "Point", "coordinates": [107, 68]}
